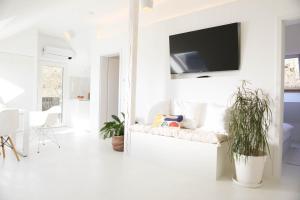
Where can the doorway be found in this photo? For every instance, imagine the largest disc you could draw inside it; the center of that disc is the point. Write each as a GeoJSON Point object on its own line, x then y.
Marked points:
{"type": "Point", "coordinates": [109, 90]}
{"type": "Point", "coordinates": [291, 114]}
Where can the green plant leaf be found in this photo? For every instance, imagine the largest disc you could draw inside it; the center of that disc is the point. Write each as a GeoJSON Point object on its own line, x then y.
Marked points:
{"type": "Point", "coordinates": [250, 118]}
{"type": "Point", "coordinates": [116, 118]}
{"type": "Point", "coordinates": [113, 128]}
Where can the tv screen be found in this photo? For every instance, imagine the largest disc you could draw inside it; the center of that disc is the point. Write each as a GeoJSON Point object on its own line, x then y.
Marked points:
{"type": "Point", "coordinates": [207, 50]}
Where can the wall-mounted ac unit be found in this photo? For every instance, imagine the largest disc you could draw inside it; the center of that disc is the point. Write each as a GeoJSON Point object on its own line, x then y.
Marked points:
{"type": "Point", "coordinates": [57, 53]}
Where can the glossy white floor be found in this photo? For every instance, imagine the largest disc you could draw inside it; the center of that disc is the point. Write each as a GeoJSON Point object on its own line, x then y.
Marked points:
{"type": "Point", "coordinates": [86, 168]}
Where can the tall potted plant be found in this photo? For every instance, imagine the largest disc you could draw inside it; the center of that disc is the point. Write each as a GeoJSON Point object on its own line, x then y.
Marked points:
{"type": "Point", "coordinates": [115, 129]}
{"type": "Point", "coordinates": [250, 118]}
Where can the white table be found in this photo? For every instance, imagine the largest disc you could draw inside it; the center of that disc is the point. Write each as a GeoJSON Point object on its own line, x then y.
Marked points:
{"type": "Point", "coordinates": [25, 130]}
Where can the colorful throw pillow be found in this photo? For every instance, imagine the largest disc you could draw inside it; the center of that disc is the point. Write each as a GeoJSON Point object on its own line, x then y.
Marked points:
{"type": "Point", "coordinates": [173, 118]}
{"type": "Point", "coordinates": [158, 120]}
{"type": "Point", "coordinates": [167, 121]}
{"type": "Point", "coordinates": [171, 124]}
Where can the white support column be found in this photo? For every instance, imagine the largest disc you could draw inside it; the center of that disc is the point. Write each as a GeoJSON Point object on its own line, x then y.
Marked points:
{"type": "Point", "coordinates": [133, 46]}
{"type": "Point", "coordinates": [132, 68]}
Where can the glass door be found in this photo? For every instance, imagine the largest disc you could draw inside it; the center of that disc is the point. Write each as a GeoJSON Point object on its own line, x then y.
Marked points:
{"type": "Point", "coordinates": [52, 90]}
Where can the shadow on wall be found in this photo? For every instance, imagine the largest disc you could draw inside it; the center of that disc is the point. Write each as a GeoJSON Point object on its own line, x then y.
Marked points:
{"type": "Point", "coordinates": [9, 91]}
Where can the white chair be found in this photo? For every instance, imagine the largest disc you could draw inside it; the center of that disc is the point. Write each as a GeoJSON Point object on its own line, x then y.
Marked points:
{"type": "Point", "coordinates": [9, 124]}
{"type": "Point", "coordinates": [44, 122]}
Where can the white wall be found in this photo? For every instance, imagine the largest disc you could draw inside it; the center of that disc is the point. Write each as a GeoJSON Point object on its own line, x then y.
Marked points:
{"type": "Point", "coordinates": [23, 43]}
{"type": "Point", "coordinates": [292, 38]}
{"type": "Point", "coordinates": [73, 110]}
{"type": "Point", "coordinates": [259, 56]}
{"type": "Point", "coordinates": [260, 47]}
{"type": "Point", "coordinates": [80, 63]}
{"type": "Point", "coordinates": [79, 86]}
{"type": "Point", "coordinates": [79, 110]}
{"type": "Point", "coordinates": [18, 67]}
{"type": "Point", "coordinates": [20, 61]}
{"type": "Point", "coordinates": [107, 46]}
{"type": "Point", "coordinates": [47, 40]}
{"type": "Point", "coordinates": [19, 71]}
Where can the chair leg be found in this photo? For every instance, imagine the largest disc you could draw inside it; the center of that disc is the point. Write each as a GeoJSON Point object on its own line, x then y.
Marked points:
{"type": "Point", "coordinates": [13, 148]}
{"type": "Point", "coordinates": [55, 140]}
{"type": "Point", "coordinates": [2, 145]}
{"type": "Point", "coordinates": [39, 139]}
{"type": "Point", "coordinates": [44, 137]}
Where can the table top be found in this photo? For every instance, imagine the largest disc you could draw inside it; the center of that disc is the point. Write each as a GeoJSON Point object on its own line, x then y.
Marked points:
{"type": "Point", "coordinates": [21, 111]}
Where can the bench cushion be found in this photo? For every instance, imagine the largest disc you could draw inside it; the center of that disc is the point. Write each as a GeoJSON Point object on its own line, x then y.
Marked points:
{"type": "Point", "coordinates": [198, 135]}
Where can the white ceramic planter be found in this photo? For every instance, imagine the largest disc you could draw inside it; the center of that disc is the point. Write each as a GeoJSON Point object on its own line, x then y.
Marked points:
{"type": "Point", "coordinates": [249, 172]}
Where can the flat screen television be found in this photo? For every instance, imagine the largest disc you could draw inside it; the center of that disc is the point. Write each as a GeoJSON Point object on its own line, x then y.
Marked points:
{"type": "Point", "coordinates": [206, 50]}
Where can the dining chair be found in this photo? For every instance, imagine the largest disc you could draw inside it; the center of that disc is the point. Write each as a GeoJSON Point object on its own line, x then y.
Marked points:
{"type": "Point", "coordinates": [9, 124]}
{"type": "Point", "coordinates": [44, 122]}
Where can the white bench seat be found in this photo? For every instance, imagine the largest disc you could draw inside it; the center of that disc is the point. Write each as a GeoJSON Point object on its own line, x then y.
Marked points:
{"type": "Point", "coordinates": [197, 135]}
{"type": "Point", "coordinates": [188, 151]}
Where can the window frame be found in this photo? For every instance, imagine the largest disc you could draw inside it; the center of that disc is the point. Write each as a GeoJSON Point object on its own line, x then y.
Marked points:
{"type": "Point", "coordinates": [290, 57]}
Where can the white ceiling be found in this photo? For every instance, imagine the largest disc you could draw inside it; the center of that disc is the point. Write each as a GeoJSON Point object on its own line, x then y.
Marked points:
{"type": "Point", "coordinates": [54, 17]}
{"type": "Point", "coordinates": [80, 17]}
{"type": "Point", "coordinates": [166, 9]}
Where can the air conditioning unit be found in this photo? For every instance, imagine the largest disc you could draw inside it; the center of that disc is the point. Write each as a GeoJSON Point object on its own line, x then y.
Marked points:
{"type": "Point", "coordinates": [57, 53]}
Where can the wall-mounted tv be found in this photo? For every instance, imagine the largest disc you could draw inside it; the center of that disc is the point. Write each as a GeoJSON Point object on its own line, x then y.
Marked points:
{"type": "Point", "coordinates": [206, 50]}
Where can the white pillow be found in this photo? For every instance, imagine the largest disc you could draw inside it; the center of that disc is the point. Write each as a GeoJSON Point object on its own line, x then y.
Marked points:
{"type": "Point", "coordinates": [162, 107]}
{"type": "Point", "coordinates": [215, 119]}
{"type": "Point", "coordinates": [190, 111]}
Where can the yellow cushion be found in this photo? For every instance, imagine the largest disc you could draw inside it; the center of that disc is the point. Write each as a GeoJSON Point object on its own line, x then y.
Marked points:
{"type": "Point", "coordinates": [158, 120]}
{"type": "Point", "coordinates": [167, 121]}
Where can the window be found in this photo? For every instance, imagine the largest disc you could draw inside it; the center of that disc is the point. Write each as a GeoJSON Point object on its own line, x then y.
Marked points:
{"type": "Point", "coordinates": [52, 89]}
{"type": "Point", "coordinates": [291, 73]}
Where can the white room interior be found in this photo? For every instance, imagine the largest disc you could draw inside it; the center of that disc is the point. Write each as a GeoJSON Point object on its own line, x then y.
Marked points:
{"type": "Point", "coordinates": [99, 82]}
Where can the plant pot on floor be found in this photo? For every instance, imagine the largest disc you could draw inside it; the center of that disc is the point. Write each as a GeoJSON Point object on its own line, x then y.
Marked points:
{"type": "Point", "coordinates": [118, 143]}
{"type": "Point", "coordinates": [249, 170]}
{"type": "Point", "coordinates": [115, 129]}
{"type": "Point", "coordinates": [250, 118]}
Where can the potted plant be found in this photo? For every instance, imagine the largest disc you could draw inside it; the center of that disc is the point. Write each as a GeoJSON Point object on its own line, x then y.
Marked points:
{"type": "Point", "coordinates": [115, 130]}
{"type": "Point", "coordinates": [250, 118]}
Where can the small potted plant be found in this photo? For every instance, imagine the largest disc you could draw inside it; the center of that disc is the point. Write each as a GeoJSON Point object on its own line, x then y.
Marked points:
{"type": "Point", "coordinates": [250, 118]}
{"type": "Point", "coordinates": [115, 130]}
